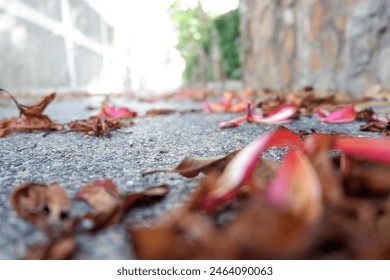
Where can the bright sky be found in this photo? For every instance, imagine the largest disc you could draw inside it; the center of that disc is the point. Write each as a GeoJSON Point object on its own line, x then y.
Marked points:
{"type": "Point", "coordinates": [146, 26]}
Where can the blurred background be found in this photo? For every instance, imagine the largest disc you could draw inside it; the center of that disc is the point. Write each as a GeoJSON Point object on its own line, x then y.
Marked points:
{"type": "Point", "coordinates": [157, 46]}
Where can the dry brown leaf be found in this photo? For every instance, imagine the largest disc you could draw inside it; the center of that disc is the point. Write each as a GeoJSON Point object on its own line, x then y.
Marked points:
{"type": "Point", "coordinates": [96, 126]}
{"type": "Point", "coordinates": [329, 178]}
{"type": "Point", "coordinates": [382, 127]}
{"type": "Point", "coordinates": [32, 120]}
{"type": "Point", "coordinates": [109, 207]}
{"type": "Point", "coordinates": [365, 178]}
{"type": "Point", "coordinates": [365, 115]}
{"type": "Point", "coordinates": [183, 235]}
{"type": "Point", "coordinates": [191, 167]}
{"type": "Point", "coordinates": [35, 111]}
{"type": "Point", "coordinates": [258, 232]}
{"type": "Point", "coordinates": [270, 105]}
{"type": "Point", "coordinates": [46, 206]}
{"type": "Point", "coordinates": [155, 112]}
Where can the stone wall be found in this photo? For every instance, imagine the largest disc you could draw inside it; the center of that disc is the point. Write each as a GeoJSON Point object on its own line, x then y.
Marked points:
{"type": "Point", "coordinates": [60, 45]}
{"type": "Point", "coordinates": [329, 44]}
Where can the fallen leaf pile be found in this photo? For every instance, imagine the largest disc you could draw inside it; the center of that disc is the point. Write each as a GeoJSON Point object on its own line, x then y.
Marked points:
{"type": "Point", "coordinates": [328, 199]}
{"type": "Point", "coordinates": [109, 119]}
{"type": "Point", "coordinates": [31, 119]}
{"type": "Point", "coordinates": [49, 209]}
{"type": "Point", "coordinates": [309, 206]}
{"type": "Point", "coordinates": [279, 107]}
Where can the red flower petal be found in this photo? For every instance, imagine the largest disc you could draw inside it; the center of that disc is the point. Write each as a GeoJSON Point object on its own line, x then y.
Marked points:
{"type": "Point", "coordinates": [371, 148]}
{"type": "Point", "coordinates": [280, 115]}
{"type": "Point", "coordinates": [344, 115]}
{"type": "Point", "coordinates": [233, 123]}
{"type": "Point", "coordinates": [297, 187]}
{"type": "Point", "coordinates": [242, 165]}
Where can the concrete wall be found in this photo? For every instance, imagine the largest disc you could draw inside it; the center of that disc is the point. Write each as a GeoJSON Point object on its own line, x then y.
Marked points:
{"type": "Point", "coordinates": [330, 44]}
{"type": "Point", "coordinates": [62, 45]}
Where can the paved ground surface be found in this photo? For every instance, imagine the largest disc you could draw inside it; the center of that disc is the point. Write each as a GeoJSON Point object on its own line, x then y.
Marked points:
{"type": "Point", "coordinates": [154, 142]}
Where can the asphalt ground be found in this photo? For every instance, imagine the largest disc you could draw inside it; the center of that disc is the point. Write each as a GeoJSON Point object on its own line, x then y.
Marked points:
{"type": "Point", "coordinates": [154, 142]}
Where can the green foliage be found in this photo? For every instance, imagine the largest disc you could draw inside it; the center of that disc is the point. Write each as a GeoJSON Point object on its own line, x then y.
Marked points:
{"type": "Point", "coordinates": [228, 30]}
{"type": "Point", "coordinates": [194, 29]}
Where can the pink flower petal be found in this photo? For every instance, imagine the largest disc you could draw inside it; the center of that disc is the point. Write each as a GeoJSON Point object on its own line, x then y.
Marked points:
{"type": "Point", "coordinates": [242, 165]}
{"type": "Point", "coordinates": [297, 187]}
{"type": "Point", "coordinates": [206, 107]}
{"type": "Point", "coordinates": [280, 115]}
{"type": "Point", "coordinates": [344, 115]}
{"type": "Point", "coordinates": [113, 112]}
{"type": "Point", "coordinates": [227, 98]}
{"type": "Point", "coordinates": [370, 148]}
{"type": "Point", "coordinates": [232, 123]}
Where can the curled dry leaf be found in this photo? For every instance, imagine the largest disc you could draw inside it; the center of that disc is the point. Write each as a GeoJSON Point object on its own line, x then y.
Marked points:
{"type": "Point", "coordinates": [117, 113]}
{"type": "Point", "coordinates": [183, 235]}
{"type": "Point", "coordinates": [109, 207]}
{"type": "Point", "coordinates": [46, 206]}
{"type": "Point", "coordinates": [366, 115]}
{"type": "Point", "coordinates": [95, 126]}
{"type": "Point", "coordinates": [382, 127]}
{"type": "Point", "coordinates": [31, 118]}
{"type": "Point", "coordinates": [191, 167]}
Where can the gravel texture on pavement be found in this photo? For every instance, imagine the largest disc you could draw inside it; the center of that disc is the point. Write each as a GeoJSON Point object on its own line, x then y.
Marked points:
{"type": "Point", "coordinates": [154, 142]}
